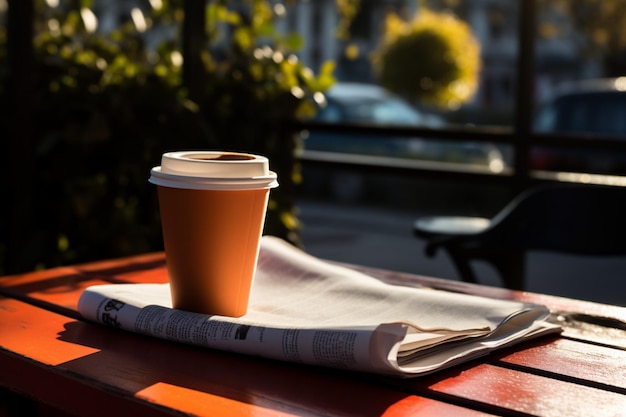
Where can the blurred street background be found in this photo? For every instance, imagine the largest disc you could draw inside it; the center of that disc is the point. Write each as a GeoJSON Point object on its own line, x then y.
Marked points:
{"type": "Point", "coordinates": [492, 96]}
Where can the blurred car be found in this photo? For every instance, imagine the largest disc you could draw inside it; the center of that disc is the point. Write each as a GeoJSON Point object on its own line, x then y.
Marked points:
{"type": "Point", "coordinates": [368, 104]}
{"type": "Point", "coordinates": [596, 106]}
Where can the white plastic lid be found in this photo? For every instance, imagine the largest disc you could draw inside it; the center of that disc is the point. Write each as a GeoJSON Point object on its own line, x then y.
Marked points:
{"type": "Point", "coordinates": [213, 170]}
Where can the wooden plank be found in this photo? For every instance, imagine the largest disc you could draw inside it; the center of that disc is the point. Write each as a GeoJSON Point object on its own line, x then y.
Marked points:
{"type": "Point", "coordinates": [133, 267]}
{"type": "Point", "coordinates": [61, 287]}
{"type": "Point", "coordinates": [88, 369]}
{"type": "Point", "coordinates": [565, 359]}
{"type": "Point", "coordinates": [512, 392]}
{"type": "Point", "coordinates": [32, 356]}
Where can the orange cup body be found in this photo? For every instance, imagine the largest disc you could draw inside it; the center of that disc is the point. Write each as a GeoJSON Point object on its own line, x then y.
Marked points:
{"type": "Point", "coordinates": [211, 240]}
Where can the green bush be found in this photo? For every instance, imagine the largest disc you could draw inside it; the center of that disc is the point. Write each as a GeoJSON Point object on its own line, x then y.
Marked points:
{"type": "Point", "coordinates": [103, 120]}
{"type": "Point", "coordinates": [106, 108]}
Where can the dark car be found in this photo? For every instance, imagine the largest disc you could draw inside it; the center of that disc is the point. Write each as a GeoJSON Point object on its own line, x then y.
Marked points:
{"type": "Point", "coordinates": [357, 103]}
{"type": "Point", "coordinates": [595, 106]}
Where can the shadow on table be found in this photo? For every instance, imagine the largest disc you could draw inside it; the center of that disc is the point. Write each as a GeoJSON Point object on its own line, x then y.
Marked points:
{"type": "Point", "coordinates": [146, 366]}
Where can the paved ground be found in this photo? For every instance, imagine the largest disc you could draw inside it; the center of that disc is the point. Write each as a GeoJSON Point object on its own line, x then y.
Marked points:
{"type": "Point", "coordinates": [383, 238]}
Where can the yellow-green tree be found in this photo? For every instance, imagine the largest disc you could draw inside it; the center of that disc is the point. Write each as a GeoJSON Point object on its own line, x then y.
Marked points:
{"type": "Point", "coordinates": [433, 58]}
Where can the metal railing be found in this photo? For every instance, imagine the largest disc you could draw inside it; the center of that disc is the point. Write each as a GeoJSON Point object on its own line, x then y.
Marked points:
{"type": "Point", "coordinates": [518, 176]}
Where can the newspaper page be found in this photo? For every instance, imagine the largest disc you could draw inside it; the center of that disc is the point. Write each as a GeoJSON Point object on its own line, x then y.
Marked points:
{"type": "Point", "coordinates": [305, 310]}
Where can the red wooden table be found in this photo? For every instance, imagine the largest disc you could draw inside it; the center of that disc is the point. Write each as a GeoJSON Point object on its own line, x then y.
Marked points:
{"type": "Point", "coordinates": [55, 364]}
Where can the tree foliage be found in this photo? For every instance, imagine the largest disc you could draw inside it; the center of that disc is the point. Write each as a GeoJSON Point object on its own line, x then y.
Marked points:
{"type": "Point", "coordinates": [433, 58]}
{"type": "Point", "coordinates": [108, 105]}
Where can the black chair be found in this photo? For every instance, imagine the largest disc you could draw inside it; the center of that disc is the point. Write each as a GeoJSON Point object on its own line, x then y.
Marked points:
{"type": "Point", "coordinates": [566, 218]}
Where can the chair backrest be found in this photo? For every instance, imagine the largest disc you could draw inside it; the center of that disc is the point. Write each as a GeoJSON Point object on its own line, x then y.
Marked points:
{"type": "Point", "coordinates": [569, 218]}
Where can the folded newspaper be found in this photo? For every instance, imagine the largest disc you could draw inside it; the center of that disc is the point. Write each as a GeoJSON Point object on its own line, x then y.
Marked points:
{"type": "Point", "coordinates": [306, 310]}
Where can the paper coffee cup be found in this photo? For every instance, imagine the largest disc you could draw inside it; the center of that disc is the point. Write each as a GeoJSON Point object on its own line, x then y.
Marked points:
{"type": "Point", "coordinates": [213, 207]}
